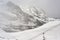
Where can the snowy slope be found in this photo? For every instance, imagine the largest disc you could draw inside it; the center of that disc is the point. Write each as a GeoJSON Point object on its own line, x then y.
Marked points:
{"type": "Point", "coordinates": [29, 34]}
{"type": "Point", "coordinates": [8, 17]}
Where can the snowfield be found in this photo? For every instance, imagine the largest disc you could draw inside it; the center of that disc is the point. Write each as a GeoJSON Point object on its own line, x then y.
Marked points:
{"type": "Point", "coordinates": [31, 24]}
{"type": "Point", "coordinates": [29, 34]}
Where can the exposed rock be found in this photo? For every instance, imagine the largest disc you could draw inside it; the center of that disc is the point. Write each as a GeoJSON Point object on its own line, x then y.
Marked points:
{"type": "Point", "coordinates": [24, 20]}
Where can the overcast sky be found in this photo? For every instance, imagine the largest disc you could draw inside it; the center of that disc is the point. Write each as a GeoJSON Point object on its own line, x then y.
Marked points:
{"type": "Point", "coordinates": [51, 7]}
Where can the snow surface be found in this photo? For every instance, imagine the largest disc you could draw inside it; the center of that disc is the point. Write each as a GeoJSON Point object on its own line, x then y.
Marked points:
{"type": "Point", "coordinates": [29, 34]}
{"type": "Point", "coordinates": [6, 17]}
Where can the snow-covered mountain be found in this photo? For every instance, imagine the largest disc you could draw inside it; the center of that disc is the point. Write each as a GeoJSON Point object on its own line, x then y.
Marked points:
{"type": "Point", "coordinates": [16, 19]}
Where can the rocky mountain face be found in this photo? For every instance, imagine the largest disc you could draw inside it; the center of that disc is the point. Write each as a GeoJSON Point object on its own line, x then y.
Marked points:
{"type": "Point", "coordinates": [23, 20]}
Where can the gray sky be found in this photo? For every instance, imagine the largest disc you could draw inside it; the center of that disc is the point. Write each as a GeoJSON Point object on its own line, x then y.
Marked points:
{"type": "Point", "coordinates": [51, 7]}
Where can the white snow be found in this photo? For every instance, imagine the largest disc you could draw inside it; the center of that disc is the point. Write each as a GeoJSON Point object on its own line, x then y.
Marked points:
{"type": "Point", "coordinates": [28, 34]}
{"type": "Point", "coordinates": [35, 34]}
